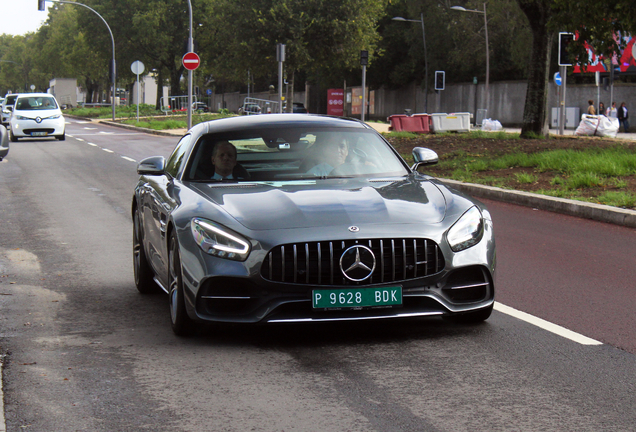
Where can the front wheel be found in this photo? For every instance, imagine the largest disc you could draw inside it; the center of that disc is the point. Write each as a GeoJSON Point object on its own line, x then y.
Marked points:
{"type": "Point", "coordinates": [61, 137]}
{"type": "Point", "coordinates": [12, 137]}
{"type": "Point", "coordinates": [144, 277]}
{"type": "Point", "coordinates": [182, 324]}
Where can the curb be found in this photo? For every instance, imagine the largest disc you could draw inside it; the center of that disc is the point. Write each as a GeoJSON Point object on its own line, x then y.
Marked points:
{"type": "Point", "coordinates": [140, 129]}
{"type": "Point", "coordinates": [598, 212]}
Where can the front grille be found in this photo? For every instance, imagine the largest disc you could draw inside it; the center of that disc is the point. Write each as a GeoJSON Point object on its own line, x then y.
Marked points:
{"type": "Point", "coordinates": [30, 131]}
{"type": "Point", "coordinates": [318, 263]}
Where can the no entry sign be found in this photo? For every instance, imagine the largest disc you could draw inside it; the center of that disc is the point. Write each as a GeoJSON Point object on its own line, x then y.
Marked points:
{"type": "Point", "coordinates": [191, 61]}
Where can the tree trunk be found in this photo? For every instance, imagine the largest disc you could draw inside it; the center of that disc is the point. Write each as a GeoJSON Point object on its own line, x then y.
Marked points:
{"type": "Point", "coordinates": [159, 89]}
{"type": "Point", "coordinates": [535, 120]}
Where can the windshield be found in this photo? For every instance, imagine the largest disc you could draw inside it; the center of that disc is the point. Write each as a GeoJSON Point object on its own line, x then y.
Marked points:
{"type": "Point", "coordinates": [34, 103]}
{"type": "Point", "coordinates": [293, 154]}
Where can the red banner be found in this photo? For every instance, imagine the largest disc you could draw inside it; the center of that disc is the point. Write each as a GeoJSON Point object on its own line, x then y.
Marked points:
{"type": "Point", "coordinates": [335, 102]}
{"type": "Point", "coordinates": [625, 60]}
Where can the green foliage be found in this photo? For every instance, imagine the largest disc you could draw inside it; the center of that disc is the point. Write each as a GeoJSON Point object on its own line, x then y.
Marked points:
{"type": "Point", "coordinates": [526, 178]}
{"type": "Point", "coordinates": [617, 199]}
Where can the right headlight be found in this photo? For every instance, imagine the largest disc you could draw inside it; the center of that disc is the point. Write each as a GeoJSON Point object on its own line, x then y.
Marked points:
{"type": "Point", "coordinates": [217, 240]}
{"type": "Point", "coordinates": [467, 231]}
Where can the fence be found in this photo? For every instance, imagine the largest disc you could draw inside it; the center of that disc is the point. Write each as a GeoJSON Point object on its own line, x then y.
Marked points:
{"type": "Point", "coordinates": [175, 103]}
{"type": "Point", "coordinates": [258, 106]}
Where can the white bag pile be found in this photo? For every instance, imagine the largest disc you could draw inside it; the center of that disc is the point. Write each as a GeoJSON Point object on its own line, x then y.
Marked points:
{"type": "Point", "coordinates": [597, 125]}
{"type": "Point", "coordinates": [490, 125]}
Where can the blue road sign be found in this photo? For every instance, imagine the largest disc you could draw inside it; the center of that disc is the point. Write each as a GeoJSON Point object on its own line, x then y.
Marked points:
{"type": "Point", "coordinates": [557, 78]}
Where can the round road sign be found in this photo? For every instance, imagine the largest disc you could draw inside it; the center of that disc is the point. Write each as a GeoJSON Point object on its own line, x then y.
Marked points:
{"type": "Point", "coordinates": [191, 61]}
{"type": "Point", "coordinates": [557, 78]}
{"type": "Point", "coordinates": [137, 67]}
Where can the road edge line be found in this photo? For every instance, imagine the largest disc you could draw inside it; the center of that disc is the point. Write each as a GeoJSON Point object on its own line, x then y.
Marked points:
{"type": "Point", "coordinates": [546, 325]}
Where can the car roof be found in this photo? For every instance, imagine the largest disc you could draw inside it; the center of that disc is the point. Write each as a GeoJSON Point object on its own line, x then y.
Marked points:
{"type": "Point", "coordinates": [276, 121]}
{"type": "Point", "coordinates": [35, 95]}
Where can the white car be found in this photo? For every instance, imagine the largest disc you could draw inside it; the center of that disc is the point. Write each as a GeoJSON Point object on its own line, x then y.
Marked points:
{"type": "Point", "coordinates": [7, 107]}
{"type": "Point", "coordinates": [36, 115]}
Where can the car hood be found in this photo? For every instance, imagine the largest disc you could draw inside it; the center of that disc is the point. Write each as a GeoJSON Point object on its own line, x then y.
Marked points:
{"type": "Point", "coordinates": [32, 114]}
{"type": "Point", "coordinates": [322, 203]}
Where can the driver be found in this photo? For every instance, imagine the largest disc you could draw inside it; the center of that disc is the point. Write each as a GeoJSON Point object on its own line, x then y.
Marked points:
{"type": "Point", "coordinates": [334, 153]}
{"type": "Point", "coordinates": [224, 160]}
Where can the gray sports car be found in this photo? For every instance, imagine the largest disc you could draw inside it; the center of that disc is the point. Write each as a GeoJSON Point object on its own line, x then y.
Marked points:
{"type": "Point", "coordinates": [281, 218]}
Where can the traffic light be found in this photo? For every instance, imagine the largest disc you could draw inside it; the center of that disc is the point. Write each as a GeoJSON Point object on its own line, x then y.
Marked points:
{"type": "Point", "coordinates": [41, 5]}
{"type": "Point", "coordinates": [564, 41]}
{"type": "Point", "coordinates": [364, 58]}
{"type": "Point", "coordinates": [440, 78]}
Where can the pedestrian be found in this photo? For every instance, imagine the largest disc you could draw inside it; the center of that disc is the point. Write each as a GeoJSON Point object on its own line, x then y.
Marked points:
{"type": "Point", "coordinates": [623, 117]}
{"type": "Point", "coordinates": [601, 108]}
{"type": "Point", "coordinates": [590, 108]}
{"type": "Point", "coordinates": [612, 111]}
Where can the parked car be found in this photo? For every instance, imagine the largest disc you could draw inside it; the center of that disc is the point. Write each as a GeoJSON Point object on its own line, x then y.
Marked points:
{"type": "Point", "coordinates": [279, 241]}
{"type": "Point", "coordinates": [299, 108]}
{"type": "Point", "coordinates": [36, 115]}
{"type": "Point", "coordinates": [249, 108]}
{"type": "Point", "coordinates": [200, 106]}
{"type": "Point", "coordinates": [7, 107]}
{"type": "Point", "coordinates": [4, 142]}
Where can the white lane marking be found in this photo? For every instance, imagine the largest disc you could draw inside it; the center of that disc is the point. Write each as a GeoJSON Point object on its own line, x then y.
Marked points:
{"type": "Point", "coordinates": [546, 325]}
{"type": "Point", "coordinates": [128, 159]}
{"type": "Point", "coordinates": [80, 139]}
{"type": "Point", "coordinates": [91, 144]}
{"type": "Point", "coordinates": [89, 128]}
{"type": "Point", "coordinates": [107, 150]}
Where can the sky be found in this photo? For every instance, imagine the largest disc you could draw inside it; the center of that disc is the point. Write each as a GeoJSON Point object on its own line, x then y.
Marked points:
{"type": "Point", "coordinates": [18, 17]}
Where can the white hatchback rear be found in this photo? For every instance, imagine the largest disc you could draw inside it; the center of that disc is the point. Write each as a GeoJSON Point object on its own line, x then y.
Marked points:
{"type": "Point", "coordinates": [36, 115]}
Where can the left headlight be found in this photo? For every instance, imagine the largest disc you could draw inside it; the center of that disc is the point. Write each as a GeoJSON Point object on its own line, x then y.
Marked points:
{"type": "Point", "coordinates": [55, 116]}
{"type": "Point", "coordinates": [19, 117]}
{"type": "Point", "coordinates": [216, 240]}
{"type": "Point", "coordinates": [467, 231]}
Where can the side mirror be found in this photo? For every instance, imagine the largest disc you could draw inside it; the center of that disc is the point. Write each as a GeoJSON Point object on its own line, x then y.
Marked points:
{"type": "Point", "coordinates": [154, 165]}
{"type": "Point", "coordinates": [423, 156]}
{"type": "Point", "coordinates": [9, 108]}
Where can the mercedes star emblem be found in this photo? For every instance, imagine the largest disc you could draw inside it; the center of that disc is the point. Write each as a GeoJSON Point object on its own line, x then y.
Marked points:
{"type": "Point", "coordinates": [357, 263]}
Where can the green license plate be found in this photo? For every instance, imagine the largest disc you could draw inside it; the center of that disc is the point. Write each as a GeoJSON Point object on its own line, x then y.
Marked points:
{"type": "Point", "coordinates": [36, 134]}
{"type": "Point", "coordinates": [356, 297]}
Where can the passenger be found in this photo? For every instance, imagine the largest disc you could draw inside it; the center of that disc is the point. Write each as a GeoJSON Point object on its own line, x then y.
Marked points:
{"type": "Point", "coordinates": [333, 154]}
{"type": "Point", "coordinates": [224, 161]}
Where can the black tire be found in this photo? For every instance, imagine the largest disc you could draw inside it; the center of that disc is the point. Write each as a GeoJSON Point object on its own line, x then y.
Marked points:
{"type": "Point", "coordinates": [144, 277]}
{"type": "Point", "coordinates": [471, 317]}
{"type": "Point", "coordinates": [182, 324]}
{"type": "Point", "coordinates": [61, 137]}
{"type": "Point", "coordinates": [12, 137]}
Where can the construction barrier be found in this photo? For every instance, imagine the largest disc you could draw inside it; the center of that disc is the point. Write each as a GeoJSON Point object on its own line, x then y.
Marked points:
{"type": "Point", "coordinates": [420, 123]}
{"type": "Point", "coordinates": [454, 122]}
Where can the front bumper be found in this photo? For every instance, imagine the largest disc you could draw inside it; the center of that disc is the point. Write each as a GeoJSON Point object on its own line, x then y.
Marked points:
{"type": "Point", "coordinates": [31, 128]}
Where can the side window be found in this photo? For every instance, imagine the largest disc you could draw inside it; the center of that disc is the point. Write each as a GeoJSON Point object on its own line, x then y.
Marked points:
{"type": "Point", "coordinates": [176, 159]}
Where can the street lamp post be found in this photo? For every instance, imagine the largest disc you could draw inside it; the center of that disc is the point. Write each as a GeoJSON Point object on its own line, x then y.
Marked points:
{"type": "Point", "coordinates": [113, 68]}
{"type": "Point", "coordinates": [461, 9]}
{"type": "Point", "coordinates": [421, 20]}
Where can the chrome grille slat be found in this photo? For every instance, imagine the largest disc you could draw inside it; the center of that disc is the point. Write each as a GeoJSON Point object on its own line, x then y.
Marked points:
{"type": "Point", "coordinates": [397, 259]}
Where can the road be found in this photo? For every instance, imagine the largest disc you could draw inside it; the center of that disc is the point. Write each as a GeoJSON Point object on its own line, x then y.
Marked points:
{"type": "Point", "coordinates": [83, 351]}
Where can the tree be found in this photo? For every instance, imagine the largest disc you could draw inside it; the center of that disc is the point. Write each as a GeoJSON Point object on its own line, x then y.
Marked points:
{"type": "Point", "coordinates": [323, 38]}
{"type": "Point", "coordinates": [65, 51]}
